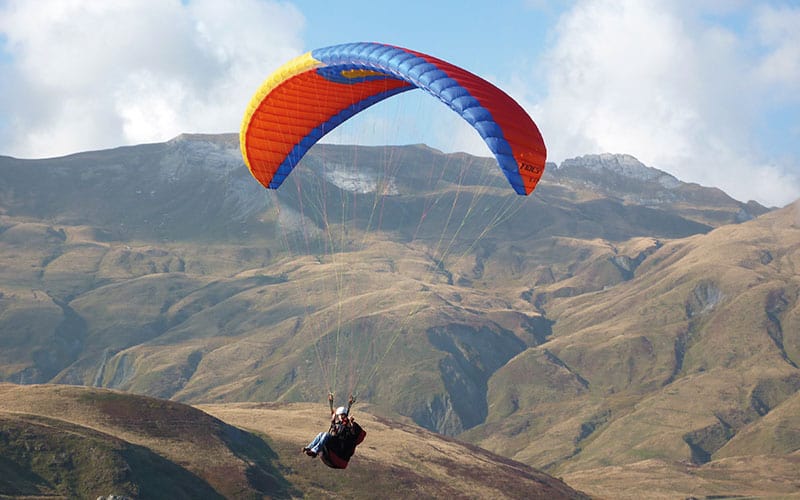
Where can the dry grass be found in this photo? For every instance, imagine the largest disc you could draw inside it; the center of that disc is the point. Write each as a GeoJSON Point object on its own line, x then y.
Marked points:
{"type": "Point", "coordinates": [666, 361]}
{"type": "Point", "coordinates": [761, 476]}
{"type": "Point", "coordinates": [203, 452]}
{"type": "Point", "coordinates": [424, 463]}
{"type": "Point", "coordinates": [216, 455]}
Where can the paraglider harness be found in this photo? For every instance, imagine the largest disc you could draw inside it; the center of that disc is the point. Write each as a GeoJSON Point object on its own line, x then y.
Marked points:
{"type": "Point", "coordinates": [345, 435]}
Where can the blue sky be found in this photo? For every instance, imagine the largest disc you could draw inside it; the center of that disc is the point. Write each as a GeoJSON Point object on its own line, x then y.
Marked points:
{"type": "Point", "coordinates": [703, 89]}
{"type": "Point", "coordinates": [488, 37]}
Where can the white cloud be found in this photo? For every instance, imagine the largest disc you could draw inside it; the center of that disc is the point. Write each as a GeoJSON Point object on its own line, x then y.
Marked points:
{"type": "Point", "coordinates": [672, 82]}
{"type": "Point", "coordinates": [83, 74]}
{"type": "Point", "coordinates": [779, 30]}
{"type": "Point", "coordinates": [659, 81]}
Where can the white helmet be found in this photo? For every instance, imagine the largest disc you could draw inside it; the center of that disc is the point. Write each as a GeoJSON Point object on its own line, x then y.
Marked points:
{"type": "Point", "coordinates": [341, 410]}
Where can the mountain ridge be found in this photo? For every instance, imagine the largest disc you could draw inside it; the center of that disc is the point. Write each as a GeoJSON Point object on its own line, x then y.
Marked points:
{"type": "Point", "coordinates": [541, 328]}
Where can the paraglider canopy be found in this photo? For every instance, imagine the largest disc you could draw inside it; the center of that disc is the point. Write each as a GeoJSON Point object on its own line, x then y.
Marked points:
{"type": "Point", "coordinates": [314, 93]}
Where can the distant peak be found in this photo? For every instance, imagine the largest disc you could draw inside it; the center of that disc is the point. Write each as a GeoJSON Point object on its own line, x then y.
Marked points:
{"type": "Point", "coordinates": [230, 138]}
{"type": "Point", "coordinates": [624, 165]}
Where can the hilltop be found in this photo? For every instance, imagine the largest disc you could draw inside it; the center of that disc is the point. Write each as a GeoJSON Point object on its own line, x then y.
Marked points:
{"type": "Point", "coordinates": [83, 442]}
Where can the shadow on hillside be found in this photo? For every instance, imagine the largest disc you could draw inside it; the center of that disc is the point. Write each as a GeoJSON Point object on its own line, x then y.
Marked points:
{"type": "Point", "coordinates": [175, 421]}
{"type": "Point", "coordinates": [158, 477]}
{"type": "Point", "coordinates": [45, 456]}
{"type": "Point", "coordinates": [19, 481]}
{"type": "Point", "coordinates": [262, 472]}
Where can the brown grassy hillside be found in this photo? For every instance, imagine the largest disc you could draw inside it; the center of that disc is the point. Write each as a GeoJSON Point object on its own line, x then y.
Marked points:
{"type": "Point", "coordinates": [693, 361]}
{"type": "Point", "coordinates": [616, 320]}
{"type": "Point", "coordinates": [74, 441]}
{"type": "Point", "coordinates": [146, 438]}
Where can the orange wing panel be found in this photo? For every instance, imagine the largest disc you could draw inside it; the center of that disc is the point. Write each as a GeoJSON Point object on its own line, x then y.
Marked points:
{"type": "Point", "coordinates": [296, 107]}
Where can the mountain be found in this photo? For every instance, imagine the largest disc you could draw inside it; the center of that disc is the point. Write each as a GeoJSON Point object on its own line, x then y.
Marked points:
{"type": "Point", "coordinates": [196, 187]}
{"type": "Point", "coordinates": [692, 361]}
{"type": "Point", "coordinates": [572, 330]}
{"type": "Point", "coordinates": [156, 268]}
{"type": "Point", "coordinates": [83, 442]}
{"type": "Point", "coordinates": [624, 177]}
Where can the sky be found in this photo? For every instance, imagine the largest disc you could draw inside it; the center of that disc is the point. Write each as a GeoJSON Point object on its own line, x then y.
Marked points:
{"type": "Point", "coordinates": [707, 90]}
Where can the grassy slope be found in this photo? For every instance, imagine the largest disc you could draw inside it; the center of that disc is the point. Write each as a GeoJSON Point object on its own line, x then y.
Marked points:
{"type": "Point", "coordinates": [421, 463]}
{"type": "Point", "coordinates": [605, 354]}
{"type": "Point", "coordinates": [201, 453]}
{"type": "Point", "coordinates": [609, 388]}
{"type": "Point", "coordinates": [693, 361]}
{"type": "Point", "coordinates": [51, 457]}
{"type": "Point", "coordinates": [74, 441]}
